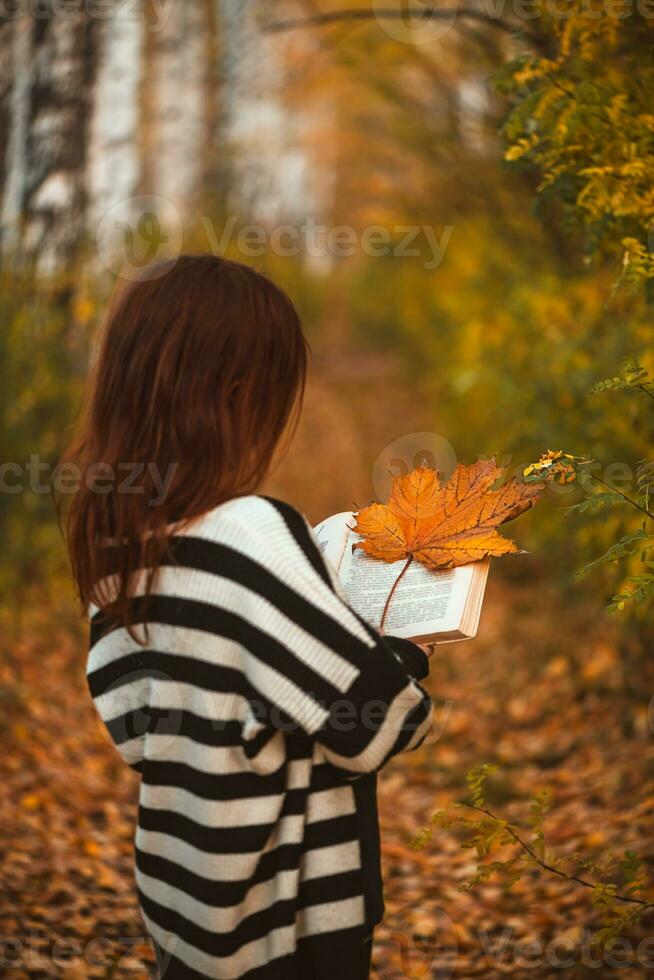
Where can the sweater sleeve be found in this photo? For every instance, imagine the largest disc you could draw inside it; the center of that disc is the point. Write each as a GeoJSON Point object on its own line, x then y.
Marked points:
{"type": "Point", "coordinates": [315, 666]}
{"type": "Point", "coordinates": [413, 658]}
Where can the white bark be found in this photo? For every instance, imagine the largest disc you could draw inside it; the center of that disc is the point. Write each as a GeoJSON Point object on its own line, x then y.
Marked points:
{"type": "Point", "coordinates": [114, 164]}
{"type": "Point", "coordinates": [271, 166]}
{"type": "Point", "coordinates": [97, 111]}
{"type": "Point", "coordinates": [179, 124]}
{"type": "Point", "coordinates": [44, 198]}
{"type": "Point", "coordinates": [19, 45]}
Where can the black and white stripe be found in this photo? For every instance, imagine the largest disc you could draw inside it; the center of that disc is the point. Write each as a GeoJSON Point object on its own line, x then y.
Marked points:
{"type": "Point", "coordinates": [257, 714]}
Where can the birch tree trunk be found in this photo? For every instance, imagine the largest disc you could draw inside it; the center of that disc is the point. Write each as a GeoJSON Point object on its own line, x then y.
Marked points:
{"type": "Point", "coordinates": [44, 200]}
{"type": "Point", "coordinates": [16, 40]}
{"type": "Point", "coordinates": [180, 100]}
{"type": "Point", "coordinates": [178, 72]}
{"type": "Point", "coordinates": [115, 168]}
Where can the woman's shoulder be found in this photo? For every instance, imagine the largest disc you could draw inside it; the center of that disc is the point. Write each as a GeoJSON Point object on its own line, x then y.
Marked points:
{"type": "Point", "coordinates": [261, 529]}
{"type": "Point", "coordinates": [251, 517]}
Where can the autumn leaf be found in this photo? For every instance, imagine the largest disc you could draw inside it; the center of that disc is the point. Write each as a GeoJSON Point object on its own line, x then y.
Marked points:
{"type": "Point", "coordinates": [445, 526]}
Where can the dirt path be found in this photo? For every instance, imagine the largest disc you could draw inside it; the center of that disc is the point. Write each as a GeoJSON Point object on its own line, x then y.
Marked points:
{"type": "Point", "coordinates": [532, 698]}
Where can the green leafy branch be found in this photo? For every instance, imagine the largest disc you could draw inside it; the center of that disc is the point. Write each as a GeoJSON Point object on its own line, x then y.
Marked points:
{"type": "Point", "coordinates": [587, 131]}
{"type": "Point", "coordinates": [637, 265]}
{"type": "Point", "coordinates": [487, 833]}
{"type": "Point", "coordinates": [633, 376]}
{"type": "Point", "coordinates": [560, 467]}
{"type": "Point", "coordinates": [641, 588]}
{"type": "Point", "coordinates": [627, 546]}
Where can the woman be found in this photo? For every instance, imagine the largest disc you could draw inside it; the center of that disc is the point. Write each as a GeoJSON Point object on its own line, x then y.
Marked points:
{"type": "Point", "coordinates": [226, 665]}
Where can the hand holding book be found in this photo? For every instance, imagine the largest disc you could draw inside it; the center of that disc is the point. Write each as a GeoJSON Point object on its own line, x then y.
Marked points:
{"type": "Point", "coordinates": [418, 565]}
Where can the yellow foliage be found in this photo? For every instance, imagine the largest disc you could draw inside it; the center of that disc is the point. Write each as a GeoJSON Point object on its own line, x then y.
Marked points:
{"type": "Point", "coordinates": [584, 118]}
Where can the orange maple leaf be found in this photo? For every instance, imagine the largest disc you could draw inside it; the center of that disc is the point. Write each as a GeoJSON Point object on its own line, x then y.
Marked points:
{"type": "Point", "coordinates": [445, 526]}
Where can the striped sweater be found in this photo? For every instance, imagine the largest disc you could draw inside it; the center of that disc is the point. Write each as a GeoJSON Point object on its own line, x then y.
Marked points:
{"type": "Point", "coordinates": [257, 714]}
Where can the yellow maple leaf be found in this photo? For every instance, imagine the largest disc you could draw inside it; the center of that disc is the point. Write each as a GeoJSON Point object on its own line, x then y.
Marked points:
{"type": "Point", "coordinates": [445, 526]}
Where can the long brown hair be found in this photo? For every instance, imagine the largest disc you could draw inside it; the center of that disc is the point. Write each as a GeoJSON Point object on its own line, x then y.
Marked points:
{"type": "Point", "coordinates": [201, 367]}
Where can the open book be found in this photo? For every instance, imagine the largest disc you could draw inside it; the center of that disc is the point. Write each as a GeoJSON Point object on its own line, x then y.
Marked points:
{"type": "Point", "coordinates": [428, 606]}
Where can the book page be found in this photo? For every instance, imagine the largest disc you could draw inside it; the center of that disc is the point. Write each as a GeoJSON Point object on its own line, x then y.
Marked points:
{"type": "Point", "coordinates": [332, 535]}
{"type": "Point", "coordinates": [425, 602]}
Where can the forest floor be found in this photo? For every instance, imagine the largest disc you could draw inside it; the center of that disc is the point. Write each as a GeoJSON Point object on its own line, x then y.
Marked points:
{"type": "Point", "coordinates": [537, 694]}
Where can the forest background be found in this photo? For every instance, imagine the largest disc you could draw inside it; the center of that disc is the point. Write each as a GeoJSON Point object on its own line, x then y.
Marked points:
{"type": "Point", "coordinates": [460, 200]}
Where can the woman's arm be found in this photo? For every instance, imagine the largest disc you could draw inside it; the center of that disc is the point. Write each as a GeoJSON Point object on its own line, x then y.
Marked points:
{"type": "Point", "coordinates": [315, 666]}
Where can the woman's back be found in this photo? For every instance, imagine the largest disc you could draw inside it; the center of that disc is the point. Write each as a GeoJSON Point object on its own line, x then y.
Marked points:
{"type": "Point", "coordinates": [232, 676]}
{"type": "Point", "coordinates": [243, 717]}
